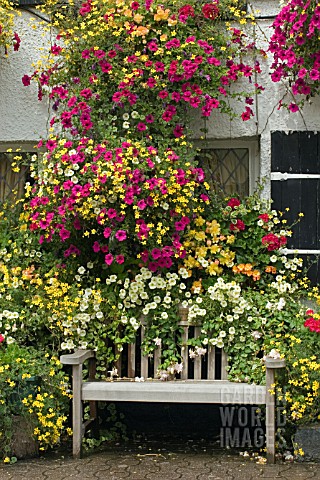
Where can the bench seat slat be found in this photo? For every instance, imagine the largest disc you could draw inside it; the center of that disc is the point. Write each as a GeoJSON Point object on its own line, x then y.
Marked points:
{"type": "Point", "coordinates": [179, 391]}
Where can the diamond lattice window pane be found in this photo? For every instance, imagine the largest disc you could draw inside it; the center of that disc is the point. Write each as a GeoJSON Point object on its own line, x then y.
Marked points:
{"type": "Point", "coordinates": [227, 170]}
{"type": "Point", "coordinates": [11, 182]}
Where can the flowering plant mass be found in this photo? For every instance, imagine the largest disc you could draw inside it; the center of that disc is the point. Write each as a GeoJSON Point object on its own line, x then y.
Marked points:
{"type": "Point", "coordinates": [8, 37]}
{"type": "Point", "coordinates": [119, 227]}
{"type": "Point", "coordinates": [295, 48]}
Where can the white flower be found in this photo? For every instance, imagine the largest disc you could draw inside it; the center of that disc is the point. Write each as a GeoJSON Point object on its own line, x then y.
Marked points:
{"type": "Point", "coordinates": [274, 354]}
{"type": "Point", "coordinates": [113, 372]}
{"type": "Point", "coordinates": [256, 335]}
{"type": "Point", "coordinates": [281, 303]}
{"type": "Point", "coordinates": [164, 205]}
{"type": "Point", "coordinates": [125, 116]}
{"type": "Point", "coordinates": [164, 315]}
{"type": "Point", "coordinates": [183, 272]}
{"type": "Point", "coordinates": [157, 341]}
{"type": "Point", "coordinates": [126, 125]}
{"type": "Point", "coordinates": [192, 353]}
{"type": "Point", "coordinates": [134, 114]}
{"type": "Point", "coordinates": [200, 351]}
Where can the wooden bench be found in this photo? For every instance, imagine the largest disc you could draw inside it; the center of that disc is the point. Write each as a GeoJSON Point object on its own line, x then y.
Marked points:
{"type": "Point", "coordinates": [203, 381]}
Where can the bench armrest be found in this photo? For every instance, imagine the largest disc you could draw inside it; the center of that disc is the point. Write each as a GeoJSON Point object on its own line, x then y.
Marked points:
{"type": "Point", "coordinates": [77, 358]}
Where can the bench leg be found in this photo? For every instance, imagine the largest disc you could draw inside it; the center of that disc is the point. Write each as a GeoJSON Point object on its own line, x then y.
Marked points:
{"type": "Point", "coordinates": [270, 416]}
{"type": "Point", "coordinates": [77, 426]}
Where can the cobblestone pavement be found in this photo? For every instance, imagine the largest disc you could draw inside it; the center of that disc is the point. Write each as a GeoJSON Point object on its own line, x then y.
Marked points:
{"type": "Point", "coordinates": [118, 465]}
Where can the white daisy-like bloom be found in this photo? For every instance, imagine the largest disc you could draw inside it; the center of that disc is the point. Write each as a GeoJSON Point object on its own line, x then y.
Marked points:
{"type": "Point", "coordinates": [126, 116]}
{"type": "Point", "coordinates": [134, 288]}
{"type": "Point", "coordinates": [126, 125]}
{"type": "Point", "coordinates": [183, 272]}
{"type": "Point", "coordinates": [122, 294]}
{"type": "Point", "coordinates": [133, 297]}
{"type": "Point", "coordinates": [220, 343]}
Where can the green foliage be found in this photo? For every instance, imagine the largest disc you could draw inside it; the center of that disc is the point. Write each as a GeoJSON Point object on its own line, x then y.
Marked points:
{"type": "Point", "coordinates": [32, 386]}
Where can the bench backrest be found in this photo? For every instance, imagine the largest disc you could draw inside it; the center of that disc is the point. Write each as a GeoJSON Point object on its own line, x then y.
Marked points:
{"type": "Point", "coordinates": [211, 366]}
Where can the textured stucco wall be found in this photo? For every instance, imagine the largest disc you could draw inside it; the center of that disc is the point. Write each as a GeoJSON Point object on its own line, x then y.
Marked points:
{"type": "Point", "coordinates": [22, 117]}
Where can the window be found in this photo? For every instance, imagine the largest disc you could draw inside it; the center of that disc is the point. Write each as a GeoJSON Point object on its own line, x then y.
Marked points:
{"type": "Point", "coordinates": [231, 167]}
{"type": "Point", "coordinates": [12, 182]}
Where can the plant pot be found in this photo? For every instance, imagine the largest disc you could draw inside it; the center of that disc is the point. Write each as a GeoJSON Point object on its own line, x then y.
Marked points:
{"type": "Point", "coordinates": [23, 443]}
{"type": "Point", "coordinates": [307, 438]}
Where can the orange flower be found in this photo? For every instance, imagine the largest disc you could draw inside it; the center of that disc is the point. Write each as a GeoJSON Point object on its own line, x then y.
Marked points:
{"type": "Point", "coordinates": [161, 14]}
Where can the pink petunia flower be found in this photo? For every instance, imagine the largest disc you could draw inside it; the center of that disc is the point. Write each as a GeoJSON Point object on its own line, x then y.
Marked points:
{"type": "Point", "coordinates": [121, 235]}
{"type": "Point", "coordinates": [108, 259]}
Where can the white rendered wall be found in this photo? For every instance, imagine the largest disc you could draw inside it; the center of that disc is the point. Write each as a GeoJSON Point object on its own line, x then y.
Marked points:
{"type": "Point", "coordinates": [22, 117]}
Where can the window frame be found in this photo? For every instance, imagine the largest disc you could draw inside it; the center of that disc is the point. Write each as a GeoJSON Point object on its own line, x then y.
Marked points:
{"type": "Point", "coordinates": [253, 149]}
{"type": "Point", "coordinates": [24, 147]}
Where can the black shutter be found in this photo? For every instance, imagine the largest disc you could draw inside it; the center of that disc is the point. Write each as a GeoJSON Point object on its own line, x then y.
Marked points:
{"type": "Point", "coordinates": [295, 184]}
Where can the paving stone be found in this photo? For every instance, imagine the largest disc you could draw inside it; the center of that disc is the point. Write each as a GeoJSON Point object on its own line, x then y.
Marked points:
{"type": "Point", "coordinates": [157, 466]}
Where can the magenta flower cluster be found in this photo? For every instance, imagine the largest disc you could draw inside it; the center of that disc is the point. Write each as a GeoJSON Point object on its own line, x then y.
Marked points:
{"type": "Point", "coordinates": [296, 49]}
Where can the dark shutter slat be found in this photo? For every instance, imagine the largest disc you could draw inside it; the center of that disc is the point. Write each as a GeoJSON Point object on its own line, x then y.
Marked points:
{"type": "Point", "coordinates": [309, 152]}
{"type": "Point", "coordinates": [299, 153]}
